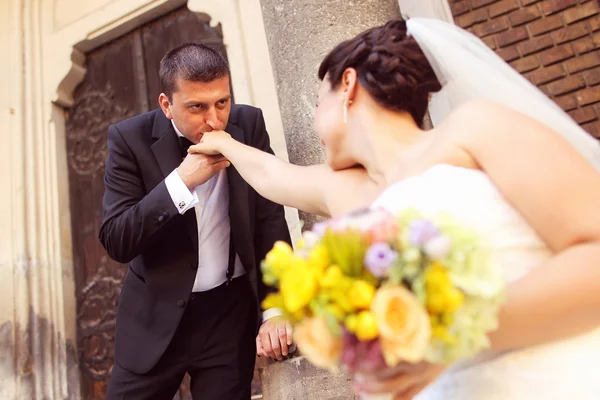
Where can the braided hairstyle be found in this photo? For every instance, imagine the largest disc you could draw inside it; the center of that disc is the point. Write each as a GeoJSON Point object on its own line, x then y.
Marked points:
{"type": "Point", "coordinates": [389, 64]}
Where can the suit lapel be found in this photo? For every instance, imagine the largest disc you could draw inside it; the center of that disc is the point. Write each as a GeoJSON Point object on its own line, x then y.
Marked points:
{"type": "Point", "coordinates": [167, 154]}
{"type": "Point", "coordinates": [238, 205]}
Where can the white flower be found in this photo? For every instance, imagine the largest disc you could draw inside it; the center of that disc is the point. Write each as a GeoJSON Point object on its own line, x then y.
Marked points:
{"type": "Point", "coordinates": [438, 247]}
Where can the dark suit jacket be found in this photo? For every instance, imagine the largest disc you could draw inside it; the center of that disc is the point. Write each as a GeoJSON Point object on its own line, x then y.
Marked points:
{"type": "Point", "coordinates": [142, 227]}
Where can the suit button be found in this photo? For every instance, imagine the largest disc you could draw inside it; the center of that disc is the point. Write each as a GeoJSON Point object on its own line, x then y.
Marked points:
{"type": "Point", "coordinates": [181, 303]}
{"type": "Point", "coordinates": [160, 218]}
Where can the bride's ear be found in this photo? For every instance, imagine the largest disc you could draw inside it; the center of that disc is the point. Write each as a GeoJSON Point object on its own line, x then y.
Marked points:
{"type": "Point", "coordinates": [349, 84]}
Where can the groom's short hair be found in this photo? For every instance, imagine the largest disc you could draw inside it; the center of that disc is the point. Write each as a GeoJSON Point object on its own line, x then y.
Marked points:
{"type": "Point", "coordinates": [191, 62]}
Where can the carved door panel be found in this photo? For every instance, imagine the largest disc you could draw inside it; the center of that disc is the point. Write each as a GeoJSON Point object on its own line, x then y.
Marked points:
{"type": "Point", "coordinates": [121, 81]}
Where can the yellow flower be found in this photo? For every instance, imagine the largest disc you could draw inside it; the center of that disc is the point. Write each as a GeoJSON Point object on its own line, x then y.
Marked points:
{"type": "Point", "coordinates": [366, 326]}
{"type": "Point", "coordinates": [318, 258]}
{"type": "Point", "coordinates": [316, 342]}
{"type": "Point", "coordinates": [297, 287]}
{"type": "Point", "coordinates": [336, 311]}
{"type": "Point", "coordinates": [454, 300]}
{"type": "Point", "coordinates": [361, 294]}
{"type": "Point", "coordinates": [351, 323]}
{"type": "Point", "coordinates": [437, 278]}
{"type": "Point", "coordinates": [278, 257]}
{"type": "Point", "coordinates": [273, 300]}
{"type": "Point", "coordinates": [442, 296]}
{"type": "Point", "coordinates": [331, 277]}
{"type": "Point", "coordinates": [404, 327]}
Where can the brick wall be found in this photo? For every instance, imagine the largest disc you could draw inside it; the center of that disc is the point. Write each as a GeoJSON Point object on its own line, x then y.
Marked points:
{"type": "Point", "coordinates": [554, 43]}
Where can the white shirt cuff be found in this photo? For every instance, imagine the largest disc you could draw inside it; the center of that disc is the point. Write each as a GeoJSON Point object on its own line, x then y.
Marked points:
{"type": "Point", "coordinates": [271, 312]}
{"type": "Point", "coordinates": [182, 197]}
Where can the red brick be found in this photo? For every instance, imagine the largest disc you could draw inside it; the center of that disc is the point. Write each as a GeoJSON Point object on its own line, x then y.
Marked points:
{"type": "Point", "coordinates": [553, 6]}
{"type": "Point", "coordinates": [594, 24]}
{"type": "Point", "coordinates": [593, 129]}
{"type": "Point", "coordinates": [502, 7]}
{"type": "Point", "coordinates": [535, 45]}
{"type": "Point", "coordinates": [567, 102]}
{"type": "Point", "coordinates": [512, 36]}
{"type": "Point", "coordinates": [588, 96]}
{"type": "Point", "coordinates": [545, 25]}
{"type": "Point", "coordinates": [508, 54]}
{"type": "Point", "coordinates": [459, 8]}
{"type": "Point", "coordinates": [583, 11]}
{"type": "Point", "coordinates": [569, 33]}
{"type": "Point", "coordinates": [583, 115]}
{"type": "Point", "coordinates": [587, 44]}
{"type": "Point", "coordinates": [489, 41]}
{"type": "Point", "coordinates": [524, 15]}
{"type": "Point", "coordinates": [545, 75]}
{"type": "Point", "coordinates": [582, 62]}
{"type": "Point", "coordinates": [544, 89]}
{"type": "Point", "coordinates": [528, 2]}
{"type": "Point", "coordinates": [471, 18]}
{"type": "Point", "coordinates": [592, 77]}
{"type": "Point", "coordinates": [526, 64]}
{"type": "Point", "coordinates": [491, 27]}
{"type": "Point", "coordinates": [556, 54]}
{"type": "Point", "coordinates": [481, 3]}
{"type": "Point", "coordinates": [567, 85]}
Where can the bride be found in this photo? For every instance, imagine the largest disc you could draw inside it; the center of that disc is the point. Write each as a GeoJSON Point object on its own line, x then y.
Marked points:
{"type": "Point", "coordinates": [501, 158]}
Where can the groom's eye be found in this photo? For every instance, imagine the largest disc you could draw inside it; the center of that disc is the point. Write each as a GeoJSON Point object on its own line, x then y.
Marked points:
{"type": "Point", "coordinates": [196, 106]}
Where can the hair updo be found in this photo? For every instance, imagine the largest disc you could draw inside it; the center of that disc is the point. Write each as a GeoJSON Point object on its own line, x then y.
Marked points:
{"type": "Point", "coordinates": [390, 65]}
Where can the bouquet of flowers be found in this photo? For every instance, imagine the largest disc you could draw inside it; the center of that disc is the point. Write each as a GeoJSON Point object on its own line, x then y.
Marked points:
{"type": "Point", "coordinates": [371, 290]}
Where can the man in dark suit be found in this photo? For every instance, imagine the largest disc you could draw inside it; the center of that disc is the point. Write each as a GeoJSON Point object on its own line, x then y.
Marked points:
{"type": "Point", "coordinates": [193, 233]}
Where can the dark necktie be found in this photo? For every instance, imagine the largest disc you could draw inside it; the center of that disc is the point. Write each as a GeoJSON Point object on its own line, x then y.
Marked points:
{"type": "Point", "coordinates": [184, 144]}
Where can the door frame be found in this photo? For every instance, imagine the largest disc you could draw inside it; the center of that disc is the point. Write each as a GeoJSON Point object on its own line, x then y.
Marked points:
{"type": "Point", "coordinates": [46, 42]}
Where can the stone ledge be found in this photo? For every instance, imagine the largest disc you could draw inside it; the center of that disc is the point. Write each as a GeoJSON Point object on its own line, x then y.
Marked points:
{"type": "Point", "coordinates": [298, 379]}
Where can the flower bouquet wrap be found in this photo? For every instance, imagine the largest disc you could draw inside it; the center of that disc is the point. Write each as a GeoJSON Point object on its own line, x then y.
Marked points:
{"type": "Point", "coordinates": [371, 290]}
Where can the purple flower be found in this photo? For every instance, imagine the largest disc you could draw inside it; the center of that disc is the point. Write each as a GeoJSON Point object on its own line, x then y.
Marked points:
{"type": "Point", "coordinates": [379, 258]}
{"type": "Point", "coordinates": [421, 231]}
{"type": "Point", "coordinates": [364, 356]}
{"type": "Point", "coordinates": [319, 228]}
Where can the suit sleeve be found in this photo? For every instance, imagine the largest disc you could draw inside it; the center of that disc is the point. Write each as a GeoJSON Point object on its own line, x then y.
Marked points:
{"type": "Point", "coordinates": [131, 217]}
{"type": "Point", "coordinates": [271, 225]}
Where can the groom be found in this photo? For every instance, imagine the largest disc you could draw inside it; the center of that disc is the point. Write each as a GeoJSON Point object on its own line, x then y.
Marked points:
{"type": "Point", "coordinates": [193, 233]}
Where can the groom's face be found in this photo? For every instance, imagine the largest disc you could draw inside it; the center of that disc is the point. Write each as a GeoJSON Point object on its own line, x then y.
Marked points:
{"type": "Point", "coordinates": [198, 107]}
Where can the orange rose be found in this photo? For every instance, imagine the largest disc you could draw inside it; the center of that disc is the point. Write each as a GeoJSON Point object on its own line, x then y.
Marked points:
{"type": "Point", "coordinates": [318, 344]}
{"type": "Point", "coordinates": [403, 323]}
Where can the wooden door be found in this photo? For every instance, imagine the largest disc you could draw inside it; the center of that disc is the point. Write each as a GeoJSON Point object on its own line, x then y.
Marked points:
{"type": "Point", "coordinates": [121, 81]}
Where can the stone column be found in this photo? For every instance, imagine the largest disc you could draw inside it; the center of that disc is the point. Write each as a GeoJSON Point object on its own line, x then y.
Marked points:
{"type": "Point", "coordinates": [37, 309]}
{"type": "Point", "coordinates": [300, 33]}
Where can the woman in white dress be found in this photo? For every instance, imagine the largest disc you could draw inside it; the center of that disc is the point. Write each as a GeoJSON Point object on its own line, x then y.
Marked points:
{"type": "Point", "coordinates": [503, 159]}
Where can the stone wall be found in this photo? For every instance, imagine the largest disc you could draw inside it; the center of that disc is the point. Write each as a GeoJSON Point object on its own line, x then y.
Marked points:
{"type": "Point", "coordinates": [554, 43]}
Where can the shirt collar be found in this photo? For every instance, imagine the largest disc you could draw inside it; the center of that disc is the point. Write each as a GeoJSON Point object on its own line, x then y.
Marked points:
{"type": "Point", "coordinates": [176, 130]}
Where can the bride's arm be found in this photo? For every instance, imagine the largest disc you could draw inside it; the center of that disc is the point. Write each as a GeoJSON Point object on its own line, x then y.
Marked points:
{"type": "Point", "coordinates": [301, 187]}
{"type": "Point", "coordinates": [558, 192]}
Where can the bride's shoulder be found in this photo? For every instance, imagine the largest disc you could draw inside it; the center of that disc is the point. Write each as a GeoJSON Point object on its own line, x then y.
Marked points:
{"type": "Point", "coordinates": [484, 119]}
{"type": "Point", "coordinates": [482, 111]}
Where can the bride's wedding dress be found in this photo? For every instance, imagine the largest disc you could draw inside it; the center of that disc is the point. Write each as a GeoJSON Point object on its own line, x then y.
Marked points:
{"type": "Point", "coordinates": [568, 369]}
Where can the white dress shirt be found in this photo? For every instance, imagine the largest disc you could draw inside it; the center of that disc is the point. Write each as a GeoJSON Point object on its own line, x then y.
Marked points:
{"type": "Point", "coordinates": [210, 202]}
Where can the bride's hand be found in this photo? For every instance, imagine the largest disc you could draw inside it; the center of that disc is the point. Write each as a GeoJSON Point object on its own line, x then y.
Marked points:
{"type": "Point", "coordinates": [210, 143]}
{"type": "Point", "coordinates": [405, 380]}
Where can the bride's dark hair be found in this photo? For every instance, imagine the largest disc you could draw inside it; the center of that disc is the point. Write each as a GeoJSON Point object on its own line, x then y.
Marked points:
{"type": "Point", "coordinates": [390, 65]}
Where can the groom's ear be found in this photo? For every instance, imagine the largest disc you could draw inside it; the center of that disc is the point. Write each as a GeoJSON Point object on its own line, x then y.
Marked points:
{"type": "Point", "coordinates": [349, 83]}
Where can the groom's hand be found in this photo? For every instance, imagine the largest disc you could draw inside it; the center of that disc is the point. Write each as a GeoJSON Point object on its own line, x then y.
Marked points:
{"type": "Point", "coordinates": [274, 338]}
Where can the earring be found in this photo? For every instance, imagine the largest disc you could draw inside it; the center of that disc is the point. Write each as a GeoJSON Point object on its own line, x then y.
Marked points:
{"type": "Point", "coordinates": [346, 111]}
